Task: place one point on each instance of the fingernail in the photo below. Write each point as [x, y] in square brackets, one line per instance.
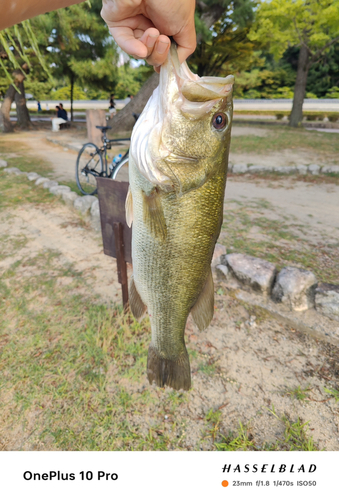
[151, 41]
[162, 47]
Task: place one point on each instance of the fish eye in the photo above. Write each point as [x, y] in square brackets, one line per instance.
[219, 120]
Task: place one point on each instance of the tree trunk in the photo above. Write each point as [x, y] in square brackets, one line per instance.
[23, 119]
[124, 120]
[5, 122]
[72, 92]
[300, 87]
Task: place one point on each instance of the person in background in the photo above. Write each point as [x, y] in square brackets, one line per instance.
[111, 109]
[47, 106]
[56, 122]
[39, 106]
[128, 98]
[63, 112]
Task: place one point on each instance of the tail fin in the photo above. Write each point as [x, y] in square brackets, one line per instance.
[174, 373]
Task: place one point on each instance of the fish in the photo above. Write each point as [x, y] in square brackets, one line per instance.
[177, 173]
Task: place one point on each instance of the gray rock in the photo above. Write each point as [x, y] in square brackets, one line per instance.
[58, 190]
[286, 170]
[84, 203]
[302, 169]
[3, 163]
[32, 176]
[95, 209]
[314, 169]
[12, 170]
[49, 184]
[257, 168]
[296, 288]
[258, 274]
[330, 169]
[327, 300]
[69, 197]
[239, 168]
[219, 250]
[222, 271]
[41, 180]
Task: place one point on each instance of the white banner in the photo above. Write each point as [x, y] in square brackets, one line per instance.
[167, 475]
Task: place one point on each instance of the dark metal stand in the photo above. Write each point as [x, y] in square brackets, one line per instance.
[121, 263]
[116, 234]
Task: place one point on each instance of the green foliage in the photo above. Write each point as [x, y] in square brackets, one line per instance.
[283, 23]
[79, 46]
[130, 80]
[64, 93]
[225, 48]
[333, 93]
[39, 89]
[19, 50]
[266, 81]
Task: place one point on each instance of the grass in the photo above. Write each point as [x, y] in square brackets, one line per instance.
[284, 138]
[18, 190]
[332, 392]
[294, 435]
[298, 393]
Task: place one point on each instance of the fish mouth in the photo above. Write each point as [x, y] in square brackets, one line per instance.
[193, 88]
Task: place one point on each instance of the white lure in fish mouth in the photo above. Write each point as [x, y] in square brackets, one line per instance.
[181, 97]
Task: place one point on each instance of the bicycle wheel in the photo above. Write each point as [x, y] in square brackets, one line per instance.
[89, 166]
[123, 176]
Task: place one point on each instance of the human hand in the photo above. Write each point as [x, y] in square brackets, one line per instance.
[142, 27]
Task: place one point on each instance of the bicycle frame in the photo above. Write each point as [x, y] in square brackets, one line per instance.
[107, 144]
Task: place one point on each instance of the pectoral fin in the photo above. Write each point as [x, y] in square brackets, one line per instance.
[154, 215]
[129, 207]
[137, 306]
[203, 310]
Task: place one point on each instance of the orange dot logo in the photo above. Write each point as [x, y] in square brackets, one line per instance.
[224, 483]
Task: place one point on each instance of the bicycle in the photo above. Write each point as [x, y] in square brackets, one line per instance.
[92, 163]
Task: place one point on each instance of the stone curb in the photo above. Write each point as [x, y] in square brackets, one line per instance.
[295, 289]
[313, 169]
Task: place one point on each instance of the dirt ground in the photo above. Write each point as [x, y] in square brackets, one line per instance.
[246, 367]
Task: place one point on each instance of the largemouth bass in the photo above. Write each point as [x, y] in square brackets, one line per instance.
[177, 171]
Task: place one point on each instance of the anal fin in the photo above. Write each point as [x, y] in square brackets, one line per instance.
[137, 306]
[154, 215]
[129, 207]
[203, 310]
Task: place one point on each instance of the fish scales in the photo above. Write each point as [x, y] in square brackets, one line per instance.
[177, 207]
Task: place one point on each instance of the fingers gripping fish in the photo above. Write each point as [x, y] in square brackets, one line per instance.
[177, 171]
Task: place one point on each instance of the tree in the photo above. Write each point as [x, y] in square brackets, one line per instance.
[78, 46]
[311, 25]
[227, 47]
